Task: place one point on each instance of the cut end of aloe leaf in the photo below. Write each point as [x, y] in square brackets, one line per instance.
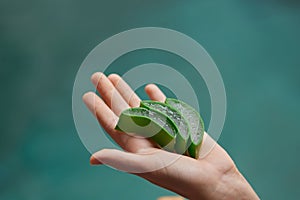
[174, 125]
[147, 123]
[177, 118]
[195, 123]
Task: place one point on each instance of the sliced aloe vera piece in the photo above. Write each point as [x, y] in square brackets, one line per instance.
[181, 123]
[150, 124]
[195, 123]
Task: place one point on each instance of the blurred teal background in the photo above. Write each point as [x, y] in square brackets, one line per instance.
[42, 44]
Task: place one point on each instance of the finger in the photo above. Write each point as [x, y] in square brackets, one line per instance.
[105, 116]
[125, 90]
[207, 145]
[109, 93]
[155, 93]
[108, 121]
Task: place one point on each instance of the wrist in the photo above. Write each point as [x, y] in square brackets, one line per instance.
[229, 185]
[233, 185]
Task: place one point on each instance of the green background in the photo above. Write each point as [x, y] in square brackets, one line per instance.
[42, 44]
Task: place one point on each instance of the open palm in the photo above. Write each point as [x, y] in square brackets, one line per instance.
[207, 178]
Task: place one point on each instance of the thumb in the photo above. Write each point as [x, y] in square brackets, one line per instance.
[148, 160]
[120, 160]
[170, 169]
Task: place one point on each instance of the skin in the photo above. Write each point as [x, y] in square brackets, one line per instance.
[213, 177]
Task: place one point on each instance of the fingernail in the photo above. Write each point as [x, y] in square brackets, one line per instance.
[95, 78]
[95, 161]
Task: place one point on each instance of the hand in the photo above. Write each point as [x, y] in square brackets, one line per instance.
[213, 177]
